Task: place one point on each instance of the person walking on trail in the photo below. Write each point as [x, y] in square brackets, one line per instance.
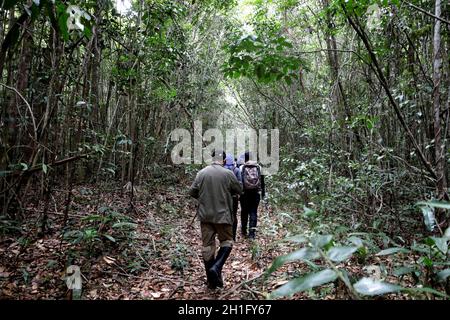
[214, 187]
[253, 190]
[231, 165]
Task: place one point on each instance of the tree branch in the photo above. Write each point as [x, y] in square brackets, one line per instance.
[39, 167]
[426, 12]
[380, 75]
[28, 106]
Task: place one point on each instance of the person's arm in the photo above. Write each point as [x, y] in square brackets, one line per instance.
[239, 176]
[263, 186]
[236, 186]
[194, 190]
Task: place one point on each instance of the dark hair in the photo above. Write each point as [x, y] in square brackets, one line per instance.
[224, 155]
[247, 156]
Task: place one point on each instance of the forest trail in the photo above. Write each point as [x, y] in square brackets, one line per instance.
[178, 272]
[161, 260]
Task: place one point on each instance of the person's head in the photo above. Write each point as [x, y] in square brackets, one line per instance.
[247, 156]
[240, 161]
[218, 156]
[229, 160]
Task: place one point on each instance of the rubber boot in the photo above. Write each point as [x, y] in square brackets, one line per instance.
[215, 272]
[209, 281]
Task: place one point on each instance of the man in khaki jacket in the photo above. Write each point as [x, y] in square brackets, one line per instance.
[214, 187]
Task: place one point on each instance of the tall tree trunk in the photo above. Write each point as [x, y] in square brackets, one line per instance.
[441, 183]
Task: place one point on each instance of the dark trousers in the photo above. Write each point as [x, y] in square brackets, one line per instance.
[235, 209]
[249, 209]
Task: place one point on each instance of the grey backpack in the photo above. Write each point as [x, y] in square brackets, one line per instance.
[251, 177]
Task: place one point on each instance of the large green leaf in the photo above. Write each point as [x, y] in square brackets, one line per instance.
[356, 241]
[428, 290]
[305, 283]
[390, 251]
[338, 254]
[447, 233]
[441, 244]
[110, 238]
[371, 287]
[307, 212]
[321, 240]
[302, 254]
[444, 274]
[297, 239]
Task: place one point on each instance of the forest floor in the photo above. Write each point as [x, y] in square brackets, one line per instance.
[150, 252]
[159, 259]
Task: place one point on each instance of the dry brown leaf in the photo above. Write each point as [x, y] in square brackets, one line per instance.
[280, 283]
[109, 260]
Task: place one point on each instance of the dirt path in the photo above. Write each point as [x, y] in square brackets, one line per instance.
[179, 272]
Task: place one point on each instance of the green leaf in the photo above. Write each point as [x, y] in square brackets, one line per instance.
[125, 225]
[87, 31]
[390, 251]
[339, 254]
[447, 233]
[420, 248]
[441, 244]
[305, 283]
[401, 271]
[309, 212]
[62, 20]
[429, 290]
[371, 287]
[321, 241]
[435, 204]
[288, 80]
[44, 168]
[427, 262]
[356, 241]
[110, 238]
[297, 239]
[443, 275]
[302, 254]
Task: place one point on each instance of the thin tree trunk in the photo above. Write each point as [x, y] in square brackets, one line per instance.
[441, 183]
